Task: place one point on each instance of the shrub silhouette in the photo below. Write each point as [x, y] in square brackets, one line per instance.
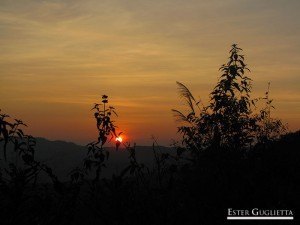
[19, 172]
[229, 120]
[270, 128]
[96, 153]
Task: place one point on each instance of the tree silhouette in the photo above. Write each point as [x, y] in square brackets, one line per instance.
[228, 121]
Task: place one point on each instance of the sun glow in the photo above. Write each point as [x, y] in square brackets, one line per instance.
[119, 139]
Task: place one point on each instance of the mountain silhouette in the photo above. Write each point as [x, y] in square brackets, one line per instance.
[63, 156]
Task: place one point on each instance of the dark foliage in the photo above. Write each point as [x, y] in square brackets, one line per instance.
[229, 121]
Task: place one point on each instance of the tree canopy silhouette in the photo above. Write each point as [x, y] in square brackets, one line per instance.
[230, 120]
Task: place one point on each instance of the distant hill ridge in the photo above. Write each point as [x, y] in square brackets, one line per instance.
[63, 156]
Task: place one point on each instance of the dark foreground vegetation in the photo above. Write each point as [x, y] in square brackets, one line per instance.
[233, 154]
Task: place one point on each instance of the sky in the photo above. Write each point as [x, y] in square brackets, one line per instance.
[58, 58]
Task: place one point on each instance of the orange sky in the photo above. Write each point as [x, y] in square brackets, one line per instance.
[58, 57]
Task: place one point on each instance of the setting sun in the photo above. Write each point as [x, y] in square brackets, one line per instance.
[119, 139]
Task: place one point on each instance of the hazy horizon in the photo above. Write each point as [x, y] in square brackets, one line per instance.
[59, 57]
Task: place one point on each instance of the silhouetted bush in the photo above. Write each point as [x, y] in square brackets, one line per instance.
[229, 121]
